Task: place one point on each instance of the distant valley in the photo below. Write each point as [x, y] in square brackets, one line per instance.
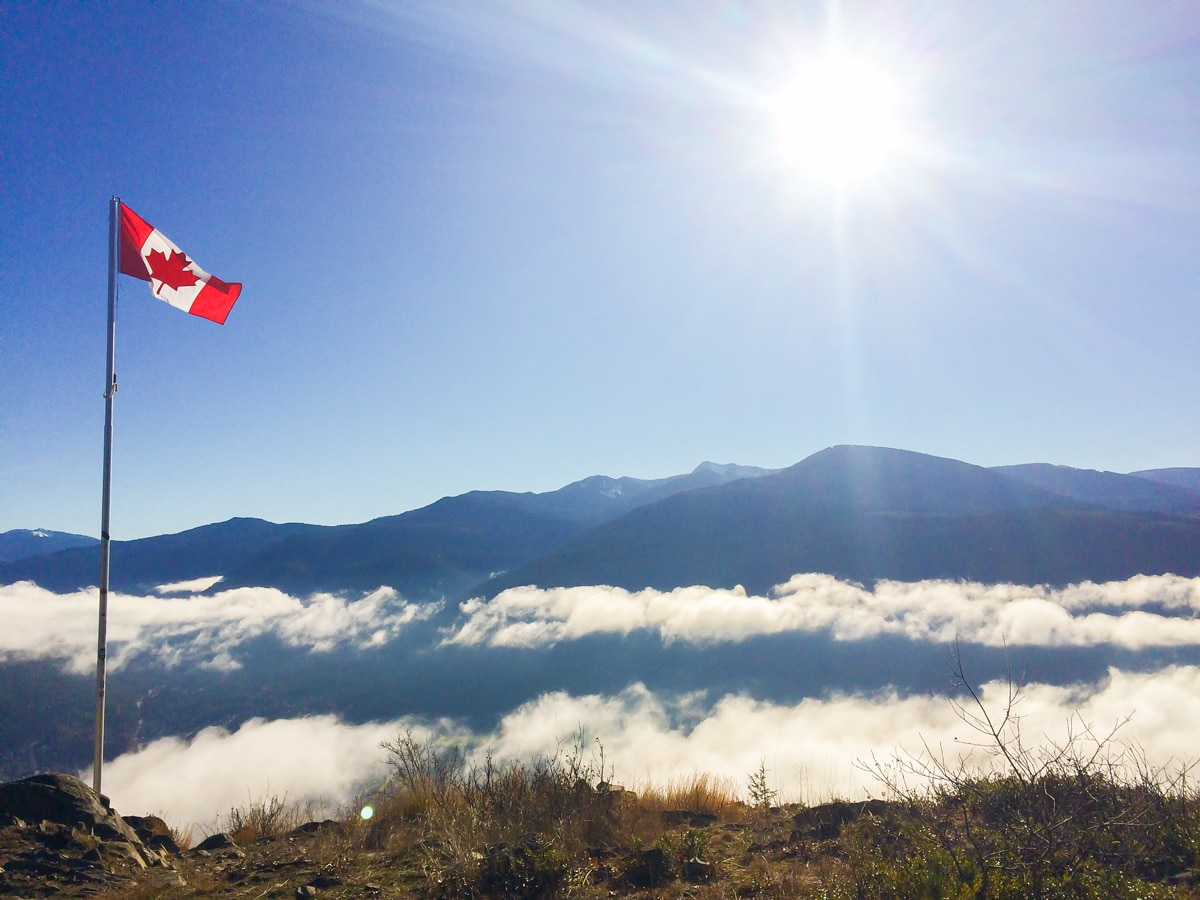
[845, 575]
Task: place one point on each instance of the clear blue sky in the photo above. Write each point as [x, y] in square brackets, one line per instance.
[506, 245]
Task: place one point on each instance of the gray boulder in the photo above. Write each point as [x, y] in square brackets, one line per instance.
[65, 800]
[57, 832]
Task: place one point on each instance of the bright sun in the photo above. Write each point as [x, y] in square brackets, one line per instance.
[838, 120]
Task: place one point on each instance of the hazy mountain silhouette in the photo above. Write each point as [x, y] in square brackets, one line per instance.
[1186, 478]
[600, 498]
[444, 548]
[860, 513]
[1133, 493]
[22, 543]
[863, 513]
[139, 565]
[440, 549]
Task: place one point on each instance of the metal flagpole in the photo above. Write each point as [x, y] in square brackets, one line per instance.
[110, 388]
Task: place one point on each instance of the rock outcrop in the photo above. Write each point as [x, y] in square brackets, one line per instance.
[55, 831]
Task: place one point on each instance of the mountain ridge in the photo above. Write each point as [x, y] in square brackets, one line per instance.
[861, 513]
[864, 514]
[22, 543]
[1133, 493]
[438, 549]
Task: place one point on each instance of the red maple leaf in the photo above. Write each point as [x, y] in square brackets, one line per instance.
[171, 269]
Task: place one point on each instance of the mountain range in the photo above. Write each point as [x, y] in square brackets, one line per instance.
[859, 513]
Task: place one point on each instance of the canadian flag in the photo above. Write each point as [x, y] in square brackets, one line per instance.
[146, 253]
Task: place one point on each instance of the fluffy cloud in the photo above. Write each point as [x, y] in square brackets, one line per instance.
[319, 761]
[195, 586]
[817, 749]
[1145, 611]
[36, 623]
[812, 750]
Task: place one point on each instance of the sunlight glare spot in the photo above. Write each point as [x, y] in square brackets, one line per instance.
[838, 121]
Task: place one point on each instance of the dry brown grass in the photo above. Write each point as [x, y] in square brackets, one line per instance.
[704, 793]
[184, 836]
[460, 847]
[265, 817]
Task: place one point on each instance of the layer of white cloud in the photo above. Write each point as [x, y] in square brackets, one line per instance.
[1145, 611]
[814, 748]
[317, 760]
[37, 623]
[194, 586]
[810, 749]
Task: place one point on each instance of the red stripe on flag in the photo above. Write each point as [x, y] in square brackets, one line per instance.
[215, 300]
[134, 231]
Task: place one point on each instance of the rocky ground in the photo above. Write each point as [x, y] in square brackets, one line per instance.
[58, 838]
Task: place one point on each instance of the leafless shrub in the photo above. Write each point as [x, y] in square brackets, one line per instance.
[498, 823]
[265, 817]
[1041, 820]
